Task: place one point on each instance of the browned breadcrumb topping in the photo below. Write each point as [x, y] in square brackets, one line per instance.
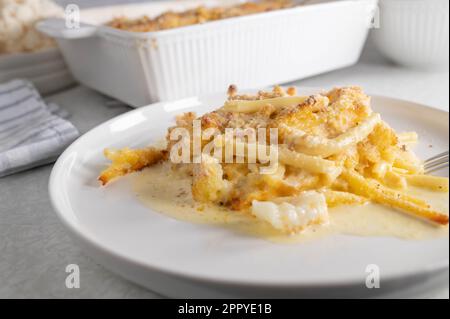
[327, 115]
[202, 14]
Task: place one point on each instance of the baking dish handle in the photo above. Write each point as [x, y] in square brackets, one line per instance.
[57, 28]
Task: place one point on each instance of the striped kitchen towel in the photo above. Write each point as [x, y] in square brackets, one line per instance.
[32, 133]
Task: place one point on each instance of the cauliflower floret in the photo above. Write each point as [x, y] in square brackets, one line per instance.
[208, 184]
[17, 20]
[294, 213]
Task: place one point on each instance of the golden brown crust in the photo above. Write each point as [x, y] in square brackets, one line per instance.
[170, 20]
[126, 161]
[312, 116]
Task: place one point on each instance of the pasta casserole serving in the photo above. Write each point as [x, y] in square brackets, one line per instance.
[285, 159]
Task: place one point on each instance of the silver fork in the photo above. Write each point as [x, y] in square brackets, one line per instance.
[436, 163]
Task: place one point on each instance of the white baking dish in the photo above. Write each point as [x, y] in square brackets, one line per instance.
[250, 51]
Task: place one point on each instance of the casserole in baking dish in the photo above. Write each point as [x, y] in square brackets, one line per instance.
[252, 50]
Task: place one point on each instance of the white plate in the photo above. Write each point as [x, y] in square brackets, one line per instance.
[180, 259]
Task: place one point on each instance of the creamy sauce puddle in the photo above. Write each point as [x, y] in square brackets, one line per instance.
[169, 193]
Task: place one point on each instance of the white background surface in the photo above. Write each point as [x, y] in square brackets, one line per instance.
[34, 247]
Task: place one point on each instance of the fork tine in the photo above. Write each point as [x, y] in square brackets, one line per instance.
[437, 167]
[436, 159]
[437, 162]
[443, 154]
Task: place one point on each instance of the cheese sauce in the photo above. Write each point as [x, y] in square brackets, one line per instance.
[169, 192]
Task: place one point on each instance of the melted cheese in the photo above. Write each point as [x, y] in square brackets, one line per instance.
[156, 189]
